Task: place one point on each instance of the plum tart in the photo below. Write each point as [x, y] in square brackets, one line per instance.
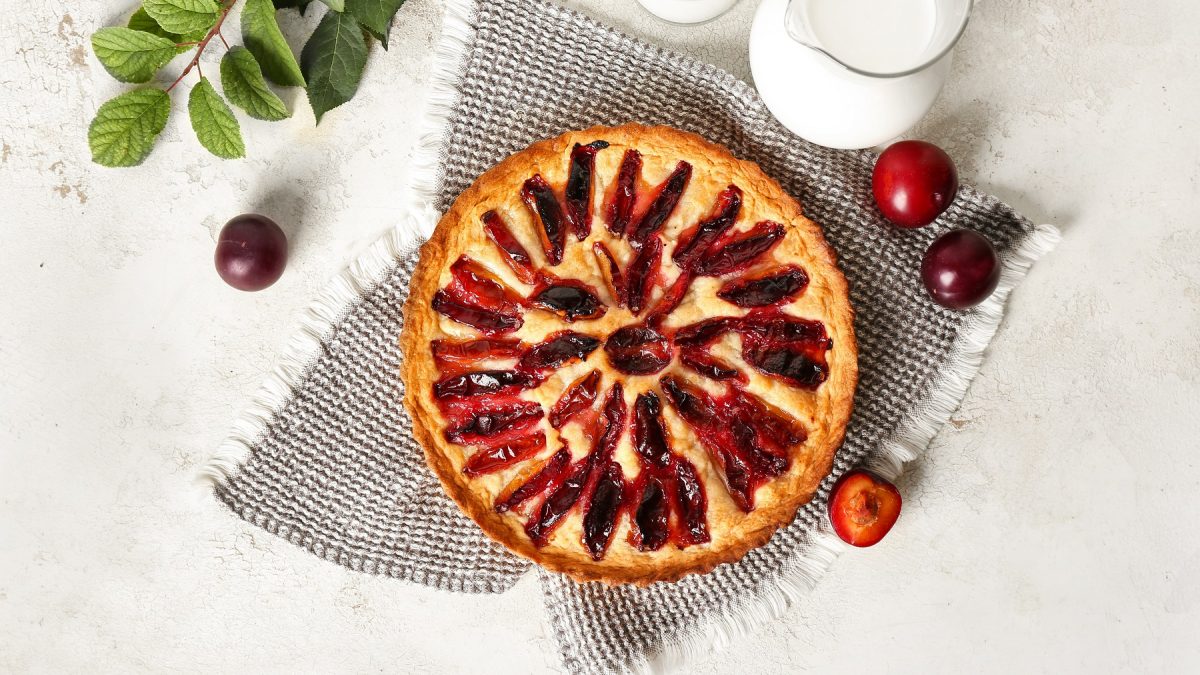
[628, 355]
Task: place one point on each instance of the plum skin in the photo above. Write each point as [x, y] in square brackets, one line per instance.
[913, 183]
[252, 252]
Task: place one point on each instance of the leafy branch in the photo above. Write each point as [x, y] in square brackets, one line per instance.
[330, 69]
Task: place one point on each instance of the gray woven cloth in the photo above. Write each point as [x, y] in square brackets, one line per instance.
[338, 472]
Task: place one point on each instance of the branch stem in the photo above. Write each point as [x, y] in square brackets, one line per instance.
[215, 31]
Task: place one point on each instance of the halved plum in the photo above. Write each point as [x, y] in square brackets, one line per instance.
[863, 508]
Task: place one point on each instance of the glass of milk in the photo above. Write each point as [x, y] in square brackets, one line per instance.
[687, 11]
[853, 73]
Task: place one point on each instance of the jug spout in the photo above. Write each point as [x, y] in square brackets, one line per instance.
[878, 38]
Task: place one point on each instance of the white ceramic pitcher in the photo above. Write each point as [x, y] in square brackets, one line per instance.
[853, 73]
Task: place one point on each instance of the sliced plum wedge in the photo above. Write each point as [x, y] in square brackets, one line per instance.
[534, 481]
[486, 321]
[642, 274]
[696, 241]
[455, 354]
[570, 299]
[604, 505]
[774, 287]
[497, 457]
[578, 193]
[610, 272]
[558, 502]
[579, 396]
[666, 197]
[479, 382]
[495, 422]
[651, 517]
[624, 195]
[558, 350]
[739, 251]
[511, 250]
[543, 205]
[691, 504]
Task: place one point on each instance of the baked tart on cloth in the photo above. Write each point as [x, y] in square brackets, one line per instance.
[627, 354]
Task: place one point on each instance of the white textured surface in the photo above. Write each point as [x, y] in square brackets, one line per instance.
[1051, 527]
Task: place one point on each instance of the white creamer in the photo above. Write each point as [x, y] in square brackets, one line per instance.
[873, 35]
[853, 73]
[687, 11]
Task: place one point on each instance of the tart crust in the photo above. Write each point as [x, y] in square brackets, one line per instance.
[824, 412]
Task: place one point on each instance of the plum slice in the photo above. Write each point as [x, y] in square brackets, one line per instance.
[624, 197]
[511, 250]
[649, 432]
[706, 364]
[696, 241]
[638, 350]
[558, 503]
[485, 321]
[580, 396]
[651, 518]
[480, 382]
[495, 422]
[557, 350]
[449, 354]
[691, 504]
[610, 271]
[543, 204]
[643, 274]
[603, 508]
[769, 289]
[665, 199]
[739, 251]
[572, 300]
[497, 457]
[578, 193]
[525, 488]
[475, 285]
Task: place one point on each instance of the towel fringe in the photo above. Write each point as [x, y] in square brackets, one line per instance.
[418, 218]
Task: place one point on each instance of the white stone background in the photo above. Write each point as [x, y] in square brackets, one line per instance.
[1052, 526]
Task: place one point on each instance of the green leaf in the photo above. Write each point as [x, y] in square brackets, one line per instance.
[183, 16]
[131, 55]
[333, 62]
[374, 15]
[335, 5]
[140, 20]
[214, 123]
[125, 127]
[243, 83]
[299, 5]
[261, 34]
